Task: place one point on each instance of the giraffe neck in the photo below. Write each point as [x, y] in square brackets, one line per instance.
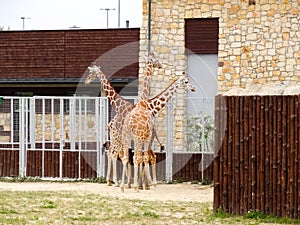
[146, 82]
[158, 102]
[118, 103]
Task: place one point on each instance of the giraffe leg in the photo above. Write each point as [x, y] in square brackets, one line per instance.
[129, 175]
[141, 176]
[123, 177]
[115, 180]
[109, 161]
[152, 158]
[137, 161]
[154, 182]
[147, 179]
[124, 162]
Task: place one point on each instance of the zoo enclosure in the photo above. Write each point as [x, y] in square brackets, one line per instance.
[63, 137]
[257, 155]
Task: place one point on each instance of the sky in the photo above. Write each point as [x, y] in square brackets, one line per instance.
[63, 14]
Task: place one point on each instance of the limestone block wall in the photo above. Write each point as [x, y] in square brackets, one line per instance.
[5, 126]
[258, 44]
[84, 127]
[51, 130]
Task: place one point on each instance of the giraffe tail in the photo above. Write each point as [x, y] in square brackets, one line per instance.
[162, 147]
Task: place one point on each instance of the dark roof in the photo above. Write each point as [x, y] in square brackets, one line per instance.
[66, 54]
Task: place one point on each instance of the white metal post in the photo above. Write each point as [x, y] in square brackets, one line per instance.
[202, 149]
[104, 131]
[26, 114]
[98, 103]
[32, 123]
[21, 137]
[169, 142]
[79, 133]
[43, 136]
[62, 138]
[12, 111]
[72, 104]
[53, 122]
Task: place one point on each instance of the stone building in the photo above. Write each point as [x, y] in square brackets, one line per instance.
[257, 43]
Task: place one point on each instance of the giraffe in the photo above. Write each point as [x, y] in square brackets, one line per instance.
[138, 126]
[124, 106]
[121, 107]
[152, 62]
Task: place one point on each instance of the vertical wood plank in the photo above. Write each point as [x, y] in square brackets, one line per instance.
[297, 135]
[236, 155]
[291, 153]
[253, 157]
[261, 149]
[224, 156]
[231, 156]
[242, 171]
[284, 156]
[246, 155]
[279, 156]
[2, 164]
[267, 174]
[217, 163]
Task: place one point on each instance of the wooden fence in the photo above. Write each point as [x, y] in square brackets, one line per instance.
[257, 154]
[186, 166]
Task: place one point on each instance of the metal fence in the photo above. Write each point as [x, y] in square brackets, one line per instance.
[62, 137]
[49, 131]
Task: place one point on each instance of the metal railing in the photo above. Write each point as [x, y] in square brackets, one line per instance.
[36, 126]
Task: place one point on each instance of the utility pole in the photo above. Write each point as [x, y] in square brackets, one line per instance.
[23, 18]
[107, 10]
[119, 12]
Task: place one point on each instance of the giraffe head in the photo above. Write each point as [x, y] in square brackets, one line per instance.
[153, 60]
[185, 82]
[94, 71]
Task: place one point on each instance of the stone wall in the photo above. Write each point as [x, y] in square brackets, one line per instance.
[85, 127]
[258, 44]
[5, 121]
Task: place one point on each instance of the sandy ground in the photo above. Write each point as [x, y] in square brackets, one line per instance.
[164, 192]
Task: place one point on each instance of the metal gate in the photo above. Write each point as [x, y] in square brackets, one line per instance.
[63, 137]
[55, 135]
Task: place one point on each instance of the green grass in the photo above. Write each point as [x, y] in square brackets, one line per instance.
[66, 207]
[37, 179]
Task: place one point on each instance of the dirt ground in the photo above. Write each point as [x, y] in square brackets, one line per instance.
[163, 192]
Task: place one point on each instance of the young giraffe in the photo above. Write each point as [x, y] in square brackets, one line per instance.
[115, 125]
[138, 125]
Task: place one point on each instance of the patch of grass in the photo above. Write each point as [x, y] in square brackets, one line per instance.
[84, 219]
[221, 214]
[151, 214]
[48, 204]
[38, 179]
[7, 211]
[100, 180]
[71, 207]
[20, 179]
[255, 215]
[206, 182]
[194, 182]
[180, 180]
